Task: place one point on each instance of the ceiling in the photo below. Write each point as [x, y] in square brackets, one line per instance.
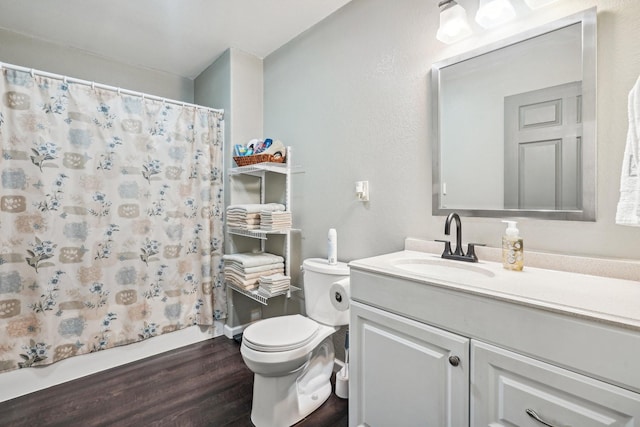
[181, 37]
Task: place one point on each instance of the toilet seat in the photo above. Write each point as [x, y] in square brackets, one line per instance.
[282, 333]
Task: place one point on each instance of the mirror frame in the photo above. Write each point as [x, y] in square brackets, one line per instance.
[587, 19]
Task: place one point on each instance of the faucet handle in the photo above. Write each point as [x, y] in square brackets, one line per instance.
[471, 250]
[447, 247]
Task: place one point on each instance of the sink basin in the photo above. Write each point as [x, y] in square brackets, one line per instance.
[451, 271]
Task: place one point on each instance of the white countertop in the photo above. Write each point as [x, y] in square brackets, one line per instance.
[610, 300]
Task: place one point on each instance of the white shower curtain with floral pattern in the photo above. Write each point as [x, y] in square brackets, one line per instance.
[111, 215]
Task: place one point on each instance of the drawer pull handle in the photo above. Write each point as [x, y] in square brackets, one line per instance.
[454, 360]
[536, 417]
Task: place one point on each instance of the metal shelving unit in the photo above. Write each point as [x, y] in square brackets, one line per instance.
[260, 170]
[256, 234]
[260, 297]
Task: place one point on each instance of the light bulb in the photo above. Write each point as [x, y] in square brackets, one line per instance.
[492, 13]
[454, 25]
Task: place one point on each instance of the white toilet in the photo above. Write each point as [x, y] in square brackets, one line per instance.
[293, 356]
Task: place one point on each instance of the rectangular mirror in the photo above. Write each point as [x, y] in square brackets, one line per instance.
[515, 125]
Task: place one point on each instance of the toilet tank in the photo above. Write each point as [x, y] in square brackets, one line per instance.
[318, 277]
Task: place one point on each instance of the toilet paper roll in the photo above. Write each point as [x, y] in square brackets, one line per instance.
[339, 294]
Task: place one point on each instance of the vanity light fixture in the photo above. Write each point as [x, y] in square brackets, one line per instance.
[454, 25]
[492, 13]
[535, 4]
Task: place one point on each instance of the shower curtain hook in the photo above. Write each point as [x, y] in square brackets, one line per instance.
[33, 73]
[118, 91]
[64, 79]
[93, 85]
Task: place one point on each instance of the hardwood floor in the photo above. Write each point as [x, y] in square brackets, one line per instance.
[204, 384]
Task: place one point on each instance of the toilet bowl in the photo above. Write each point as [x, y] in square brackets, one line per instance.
[292, 356]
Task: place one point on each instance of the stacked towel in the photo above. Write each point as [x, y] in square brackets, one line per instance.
[628, 212]
[245, 269]
[244, 222]
[247, 216]
[273, 284]
[275, 220]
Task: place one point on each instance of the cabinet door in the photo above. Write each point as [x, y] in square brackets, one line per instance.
[508, 389]
[405, 373]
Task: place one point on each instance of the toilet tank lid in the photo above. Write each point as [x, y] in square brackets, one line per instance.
[321, 265]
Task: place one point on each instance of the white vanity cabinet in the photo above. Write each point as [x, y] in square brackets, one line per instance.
[407, 373]
[523, 361]
[509, 389]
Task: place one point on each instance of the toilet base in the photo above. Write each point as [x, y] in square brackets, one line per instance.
[280, 401]
[290, 408]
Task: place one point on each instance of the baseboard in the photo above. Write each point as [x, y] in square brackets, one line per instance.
[232, 331]
[24, 381]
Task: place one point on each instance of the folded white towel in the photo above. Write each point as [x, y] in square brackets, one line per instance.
[250, 259]
[273, 284]
[233, 223]
[274, 278]
[243, 217]
[244, 284]
[276, 220]
[255, 208]
[244, 226]
[274, 213]
[258, 269]
[246, 276]
[628, 212]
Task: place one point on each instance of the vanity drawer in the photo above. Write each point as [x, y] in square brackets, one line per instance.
[505, 386]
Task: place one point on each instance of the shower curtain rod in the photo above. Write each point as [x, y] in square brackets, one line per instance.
[119, 90]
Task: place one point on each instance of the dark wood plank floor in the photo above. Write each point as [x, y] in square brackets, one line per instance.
[204, 384]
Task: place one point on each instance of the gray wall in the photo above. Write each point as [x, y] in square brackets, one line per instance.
[234, 82]
[213, 89]
[351, 96]
[42, 55]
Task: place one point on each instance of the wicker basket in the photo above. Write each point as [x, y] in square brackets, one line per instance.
[258, 158]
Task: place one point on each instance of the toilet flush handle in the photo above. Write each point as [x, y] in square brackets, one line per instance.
[338, 297]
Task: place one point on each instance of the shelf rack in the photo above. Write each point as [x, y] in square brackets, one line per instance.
[261, 298]
[257, 234]
[259, 170]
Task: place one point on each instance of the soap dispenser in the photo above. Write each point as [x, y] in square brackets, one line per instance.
[512, 248]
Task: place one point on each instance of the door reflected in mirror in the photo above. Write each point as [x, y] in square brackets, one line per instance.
[515, 126]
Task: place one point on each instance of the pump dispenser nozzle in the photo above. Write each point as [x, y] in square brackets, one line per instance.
[511, 230]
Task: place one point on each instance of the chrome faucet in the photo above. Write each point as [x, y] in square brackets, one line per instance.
[458, 254]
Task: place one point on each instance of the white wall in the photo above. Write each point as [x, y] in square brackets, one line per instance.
[352, 96]
[42, 55]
